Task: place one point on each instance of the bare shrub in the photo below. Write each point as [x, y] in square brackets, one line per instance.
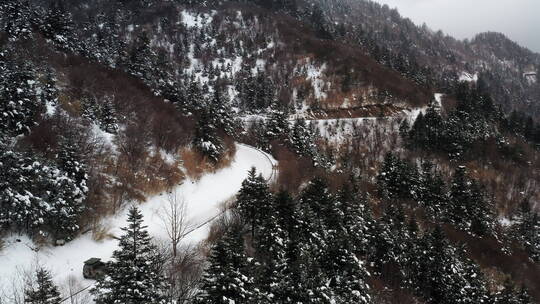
[195, 164]
[101, 232]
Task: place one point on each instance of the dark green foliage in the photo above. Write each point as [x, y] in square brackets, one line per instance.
[43, 291]
[253, 200]
[474, 120]
[207, 140]
[17, 19]
[301, 138]
[469, 208]
[318, 20]
[256, 91]
[227, 279]
[278, 123]
[221, 115]
[441, 273]
[279, 5]
[133, 276]
[523, 125]
[19, 102]
[141, 57]
[90, 110]
[57, 24]
[215, 121]
[38, 197]
[432, 193]
[107, 116]
[526, 230]
[397, 178]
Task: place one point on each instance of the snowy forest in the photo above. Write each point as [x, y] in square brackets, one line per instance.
[263, 151]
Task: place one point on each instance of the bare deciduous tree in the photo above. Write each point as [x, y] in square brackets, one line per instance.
[173, 215]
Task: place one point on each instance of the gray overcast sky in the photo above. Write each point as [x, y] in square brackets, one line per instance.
[518, 19]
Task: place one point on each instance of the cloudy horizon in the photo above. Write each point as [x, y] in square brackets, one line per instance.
[517, 19]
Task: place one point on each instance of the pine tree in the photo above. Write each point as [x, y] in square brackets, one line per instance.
[271, 242]
[194, 95]
[301, 139]
[70, 162]
[133, 275]
[227, 279]
[221, 113]
[19, 104]
[315, 213]
[57, 24]
[432, 191]
[357, 219]
[49, 91]
[469, 208]
[316, 207]
[141, 58]
[526, 230]
[44, 291]
[438, 280]
[107, 118]
[90, 110]
[404, 128]
[17, 19]
[278, 123]
[253, 200]
[397, 178]
[473, 286]
[38, 197]
[207, 140]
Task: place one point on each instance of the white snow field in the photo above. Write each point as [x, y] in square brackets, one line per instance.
[204, 199]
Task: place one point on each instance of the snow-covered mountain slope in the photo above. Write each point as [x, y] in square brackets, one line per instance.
[204, 200]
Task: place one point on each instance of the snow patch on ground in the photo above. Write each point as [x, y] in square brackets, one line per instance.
[438, 100]
[468, 77]
[192, 19]
[204, 199]
[412, 114]
[50, 108]
[106, 138]
[506, 222]
[315, 74]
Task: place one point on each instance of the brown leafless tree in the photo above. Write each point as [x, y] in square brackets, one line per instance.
[173, 215]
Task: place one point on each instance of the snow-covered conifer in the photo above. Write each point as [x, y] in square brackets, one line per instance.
[133, 276]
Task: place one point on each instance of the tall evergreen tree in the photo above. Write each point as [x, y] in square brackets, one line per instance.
[469, 208]
[253, 200]
[18, 99]
[207, 140]
[526, 230]
[221, 113]
[57, 24]
[278, 123]
[108, 119]
[397, 178]
[16, 18]
[90, 110]
[432, 191]
[141, 58]
[43, 291]
[227, 279]
[133, 276]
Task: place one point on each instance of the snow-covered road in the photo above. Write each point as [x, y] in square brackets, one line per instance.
[204, 198]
